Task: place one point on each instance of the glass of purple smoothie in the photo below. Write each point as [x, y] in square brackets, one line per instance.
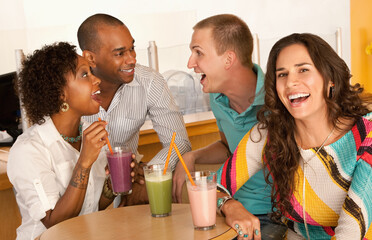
[119, 167]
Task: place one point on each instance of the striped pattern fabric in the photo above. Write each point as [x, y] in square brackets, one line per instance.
[146, 96]
[235, 172]
[338, 183]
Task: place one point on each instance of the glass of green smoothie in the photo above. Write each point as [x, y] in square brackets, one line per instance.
[159, 190]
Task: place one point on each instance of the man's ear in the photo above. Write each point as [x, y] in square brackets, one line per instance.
[230, 58]
[90, 57]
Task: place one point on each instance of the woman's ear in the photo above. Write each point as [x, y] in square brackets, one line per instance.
[331, 90]
[90, 57]
[64, 95]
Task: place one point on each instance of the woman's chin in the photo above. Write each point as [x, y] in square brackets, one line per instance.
[92, 112]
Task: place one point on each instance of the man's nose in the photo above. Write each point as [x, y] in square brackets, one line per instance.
[191, 63]
[131, 58]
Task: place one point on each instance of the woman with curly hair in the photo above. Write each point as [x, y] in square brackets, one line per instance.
[314, 140]
[56, 166]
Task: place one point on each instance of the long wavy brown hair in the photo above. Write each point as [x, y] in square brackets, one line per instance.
[281, 151]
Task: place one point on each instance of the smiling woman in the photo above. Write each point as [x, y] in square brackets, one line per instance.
[82, 87]
[56, 166]
[322, 132]
[299, 84]
[314, 131]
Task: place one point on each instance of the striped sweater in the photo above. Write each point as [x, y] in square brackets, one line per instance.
[338, 183]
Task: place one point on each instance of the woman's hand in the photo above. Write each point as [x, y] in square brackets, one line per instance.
[94, 139]
[243, 222]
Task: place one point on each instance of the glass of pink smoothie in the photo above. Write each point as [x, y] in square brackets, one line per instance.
[119, 167]
[203, 199]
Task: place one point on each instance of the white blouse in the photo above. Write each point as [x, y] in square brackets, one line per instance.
[40, 166]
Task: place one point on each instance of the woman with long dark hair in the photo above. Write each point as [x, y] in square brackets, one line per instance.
[314, 140]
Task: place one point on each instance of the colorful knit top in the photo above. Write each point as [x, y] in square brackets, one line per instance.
[338, 182]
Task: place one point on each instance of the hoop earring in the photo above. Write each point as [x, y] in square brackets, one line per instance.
[65, 107]
[331, 91]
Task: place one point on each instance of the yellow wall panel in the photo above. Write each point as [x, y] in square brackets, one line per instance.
[361, 36]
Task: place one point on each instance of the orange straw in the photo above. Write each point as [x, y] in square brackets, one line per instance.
[108, 142]
[183, 164]
[169, 153]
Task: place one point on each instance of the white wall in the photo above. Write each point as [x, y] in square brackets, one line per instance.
[29, 24]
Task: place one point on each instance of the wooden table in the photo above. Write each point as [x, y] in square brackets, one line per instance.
[201, 128]
[4, 182]
[135, 222]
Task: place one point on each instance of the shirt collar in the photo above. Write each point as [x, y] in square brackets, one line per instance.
[48, 132]
[260, 91]
[133, 83]
[116, 99]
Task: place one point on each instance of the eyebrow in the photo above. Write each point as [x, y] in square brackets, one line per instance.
[121, 48]
[296, 65]
[195, 46]
[77, 70]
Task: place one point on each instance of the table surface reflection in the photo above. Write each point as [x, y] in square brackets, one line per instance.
[135, 222]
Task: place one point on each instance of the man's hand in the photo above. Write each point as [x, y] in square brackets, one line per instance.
[137, 173]
[137, 197]
[179, 176]
[139, 194]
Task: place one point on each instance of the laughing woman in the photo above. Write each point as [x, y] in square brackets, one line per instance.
[314, 139]
[55, 166]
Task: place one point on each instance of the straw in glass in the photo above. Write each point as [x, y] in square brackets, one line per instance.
[108, 142]
[183, 164]
[169, 153]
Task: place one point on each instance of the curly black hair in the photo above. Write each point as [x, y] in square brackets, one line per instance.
[43, 78]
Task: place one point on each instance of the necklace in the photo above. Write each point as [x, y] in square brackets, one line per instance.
[303, 185]
[74, 139]
[321, 146]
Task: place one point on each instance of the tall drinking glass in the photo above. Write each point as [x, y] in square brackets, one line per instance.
[119, 166]
[203, 199]
[159, 190]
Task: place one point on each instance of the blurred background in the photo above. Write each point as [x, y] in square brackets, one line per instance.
[28, 25]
